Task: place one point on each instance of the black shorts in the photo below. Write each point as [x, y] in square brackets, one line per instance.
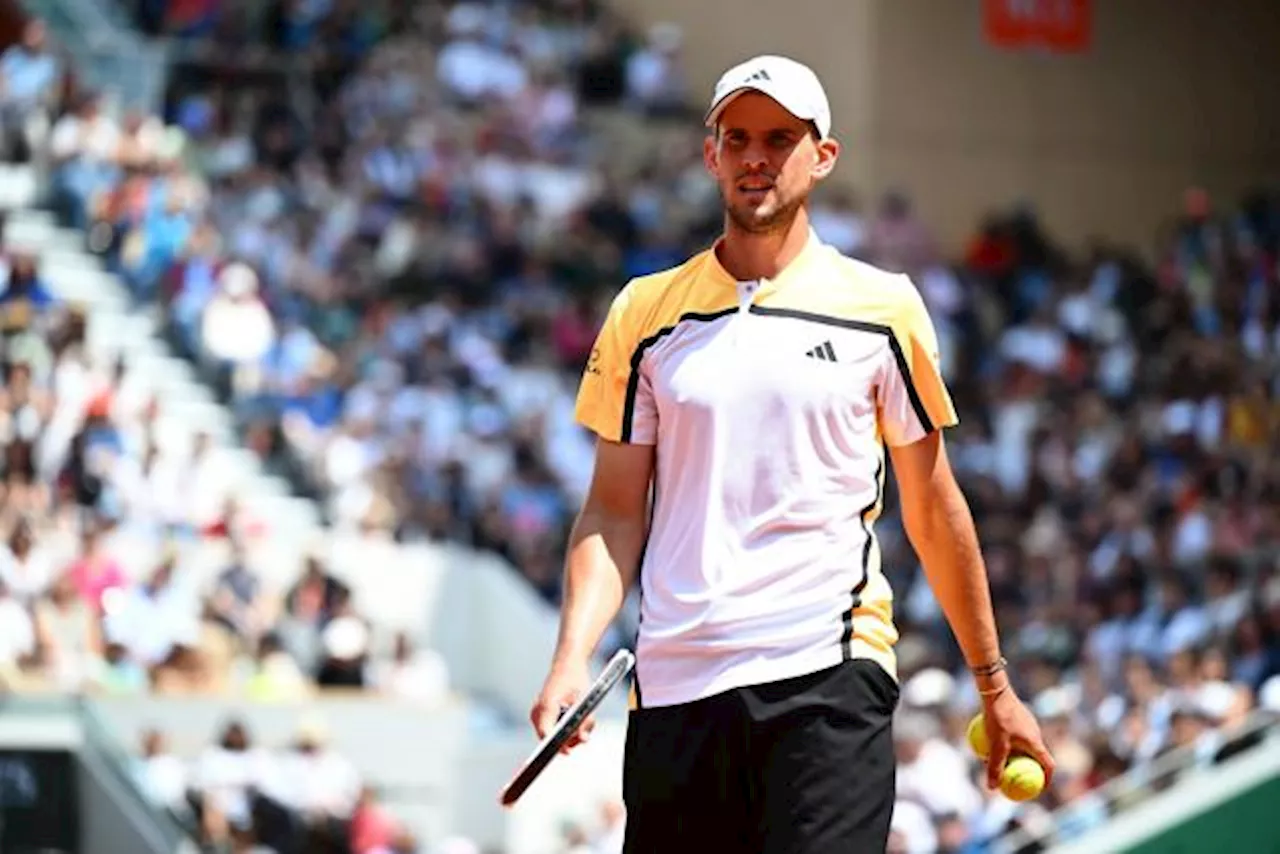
[800, 766]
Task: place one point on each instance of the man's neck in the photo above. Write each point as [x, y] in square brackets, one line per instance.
[748, 256]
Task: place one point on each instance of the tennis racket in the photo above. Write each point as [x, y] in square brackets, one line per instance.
[618, 667]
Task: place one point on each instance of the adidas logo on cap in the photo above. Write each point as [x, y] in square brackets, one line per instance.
[792, 84]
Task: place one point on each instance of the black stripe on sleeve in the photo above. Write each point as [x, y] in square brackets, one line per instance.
[917, 405]
[633, 381]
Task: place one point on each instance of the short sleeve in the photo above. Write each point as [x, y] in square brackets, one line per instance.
[615, 400]
[913, 397]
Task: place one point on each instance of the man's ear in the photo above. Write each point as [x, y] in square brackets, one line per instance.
[828, 154]
[710, 152]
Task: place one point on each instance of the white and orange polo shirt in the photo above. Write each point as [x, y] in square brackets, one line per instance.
[770, 403]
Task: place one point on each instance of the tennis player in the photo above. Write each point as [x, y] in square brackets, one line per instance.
[756, 388]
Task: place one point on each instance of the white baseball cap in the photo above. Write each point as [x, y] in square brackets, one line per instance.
[792, 84]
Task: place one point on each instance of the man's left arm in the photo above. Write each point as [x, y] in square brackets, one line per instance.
[914, 408]
[940, 527]
[941, 530]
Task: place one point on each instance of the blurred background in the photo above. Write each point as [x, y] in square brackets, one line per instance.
[295, 297]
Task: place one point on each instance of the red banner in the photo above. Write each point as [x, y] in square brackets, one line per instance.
[1058, 25]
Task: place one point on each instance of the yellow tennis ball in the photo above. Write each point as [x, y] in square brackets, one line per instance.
[978, 736]
[1022, 779]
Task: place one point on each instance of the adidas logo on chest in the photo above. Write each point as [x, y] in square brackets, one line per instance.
[824, 352]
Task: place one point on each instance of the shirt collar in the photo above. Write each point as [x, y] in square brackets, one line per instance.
[812, 248]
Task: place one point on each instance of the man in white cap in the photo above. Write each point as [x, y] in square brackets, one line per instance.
[743, 402]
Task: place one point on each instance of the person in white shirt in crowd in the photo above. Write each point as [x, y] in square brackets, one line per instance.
[226, 776]
[17, 635]
[154, 619]
[163, 776]
[142, 140]
[931, 771]
[317, 783]
[475, 65]
[84, 147]
[345, 641]
[25, 568]
[417, 675]
[236, 329]
[206, 483]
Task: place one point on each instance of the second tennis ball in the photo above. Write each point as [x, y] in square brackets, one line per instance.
[978, 737]
[1022, 780]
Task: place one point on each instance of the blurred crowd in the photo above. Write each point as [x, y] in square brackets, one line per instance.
[394, 284]
[92, 478]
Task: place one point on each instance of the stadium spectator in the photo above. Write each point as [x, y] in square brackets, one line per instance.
[319, 786]
[225, 780]
[25, 570]
[17, 633]
[655, 73]
[236, 330]
[419, 675]
[69, 635]
[95, 572]
[373, 828]
[83, 149]
[163, 776]
[30, 92]
[155, 619]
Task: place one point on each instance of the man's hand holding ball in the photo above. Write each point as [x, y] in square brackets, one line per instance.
[1005, 734]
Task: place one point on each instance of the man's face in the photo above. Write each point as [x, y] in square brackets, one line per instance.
[765, 161]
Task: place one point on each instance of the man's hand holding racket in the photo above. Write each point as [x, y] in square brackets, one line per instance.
[565, 685]
[563, 715]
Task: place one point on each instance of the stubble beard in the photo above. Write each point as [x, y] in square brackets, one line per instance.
[752, 221]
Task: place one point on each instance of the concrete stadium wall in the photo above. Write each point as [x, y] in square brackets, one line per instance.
[1168, 93]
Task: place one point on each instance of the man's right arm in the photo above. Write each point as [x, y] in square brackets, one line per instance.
[603, 560]
[604, 546]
